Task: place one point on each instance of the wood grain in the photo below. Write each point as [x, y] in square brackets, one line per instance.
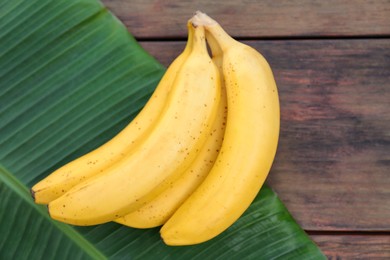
[250, 18]
[354, 246]
[332, 165]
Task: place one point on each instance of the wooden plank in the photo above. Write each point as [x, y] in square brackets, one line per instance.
[354, 246]
[332, 164]
[250, 18]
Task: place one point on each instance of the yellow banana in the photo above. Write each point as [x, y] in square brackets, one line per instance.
[248, 149]
[173, 143]
[158, 210]
[91, 164]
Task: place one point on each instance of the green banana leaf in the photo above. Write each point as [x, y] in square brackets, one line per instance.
[71, 77]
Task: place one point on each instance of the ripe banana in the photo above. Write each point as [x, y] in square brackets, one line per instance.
[247, 151]
[164, 153]
[93, 163]
[158, 210]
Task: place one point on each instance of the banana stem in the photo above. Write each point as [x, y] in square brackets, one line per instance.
[219, 36]
[214, 46]
[199, 42]
[190, 36]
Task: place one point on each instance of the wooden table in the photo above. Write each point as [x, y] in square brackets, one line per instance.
[331, 61]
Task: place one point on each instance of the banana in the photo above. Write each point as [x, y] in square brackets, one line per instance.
[91, 164]
[248, 149]
[169, 148]
[158, 210]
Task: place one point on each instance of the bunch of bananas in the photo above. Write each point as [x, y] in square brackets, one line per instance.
[193, 159]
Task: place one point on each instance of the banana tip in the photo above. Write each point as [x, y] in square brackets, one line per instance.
[170, 238]
[48, 210]
[32, 193]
